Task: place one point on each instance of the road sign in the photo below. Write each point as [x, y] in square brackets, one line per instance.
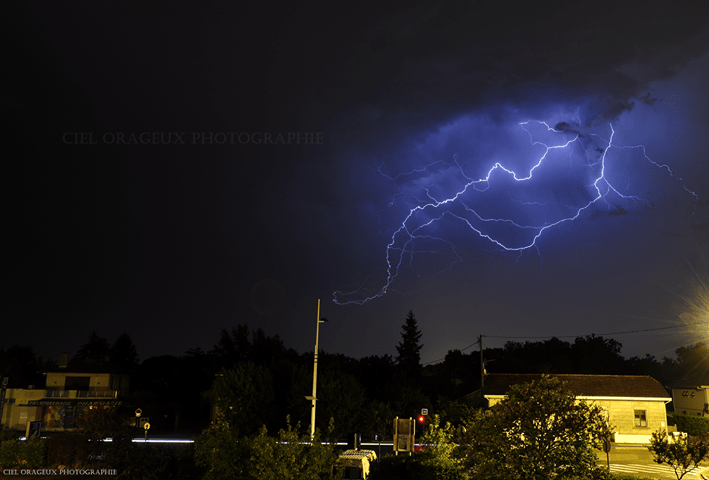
[607, 445]
[607, 449]
[404, 432]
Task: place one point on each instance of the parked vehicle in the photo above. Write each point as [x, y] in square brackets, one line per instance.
[355, 464]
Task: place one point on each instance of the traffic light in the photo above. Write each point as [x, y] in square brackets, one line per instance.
[422, 419]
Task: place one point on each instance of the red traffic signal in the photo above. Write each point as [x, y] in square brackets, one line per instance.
[422, 419]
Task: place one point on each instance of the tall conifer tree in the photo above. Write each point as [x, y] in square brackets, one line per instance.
[409, 350]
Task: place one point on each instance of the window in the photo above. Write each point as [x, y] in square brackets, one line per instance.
[77, 383]
[640, 418]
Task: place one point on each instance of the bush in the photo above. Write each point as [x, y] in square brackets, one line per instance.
[684, 454]
[220, 453]
[290, 456]
[135, 461]
[420, 466]
[131, 460]
[69, 449]
[224, 455]
[691, 424]
[9, 435]
[442, 453]
[25, 454]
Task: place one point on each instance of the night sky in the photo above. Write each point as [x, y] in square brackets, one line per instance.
[173, 170]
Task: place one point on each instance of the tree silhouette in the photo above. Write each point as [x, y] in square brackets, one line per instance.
[233, 347]
[123, 356]
[597, 355]
[21, 366]
[409, 349]
[93, 354]
[244, 394]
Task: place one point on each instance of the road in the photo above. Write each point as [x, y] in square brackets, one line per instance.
[638, 460]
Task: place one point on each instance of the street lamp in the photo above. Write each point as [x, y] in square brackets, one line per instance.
[314, 399]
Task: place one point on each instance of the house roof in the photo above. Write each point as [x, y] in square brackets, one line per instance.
[637, 386]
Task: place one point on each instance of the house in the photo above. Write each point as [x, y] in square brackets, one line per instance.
[64, 398]
[635, 403]
[691, 399]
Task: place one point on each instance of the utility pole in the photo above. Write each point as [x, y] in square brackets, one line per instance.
[482, 371]
[313, 399]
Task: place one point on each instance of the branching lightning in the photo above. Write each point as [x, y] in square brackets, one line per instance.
[472, 205]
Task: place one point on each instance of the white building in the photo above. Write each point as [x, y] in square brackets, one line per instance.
[636, 404]
[64, 398]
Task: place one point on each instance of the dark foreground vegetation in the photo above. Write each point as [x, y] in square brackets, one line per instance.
[538, 432]
[243, 402]
[364, 395]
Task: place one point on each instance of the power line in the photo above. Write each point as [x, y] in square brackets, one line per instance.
[441, 359]
[574, 336]
[600, 334]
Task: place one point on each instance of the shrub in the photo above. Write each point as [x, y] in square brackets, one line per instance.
[135, 461]
[290, 456]
[220, 453]
[691, 424]
[684, 454]
[9, 435]
[70, 449]
[223, 455]
[419, 466]
[25, 454]
[442, 452]
[9, 453]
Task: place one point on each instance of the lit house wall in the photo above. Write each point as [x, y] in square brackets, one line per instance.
[691, 400]
[66, 396]
[16, 416]
[635, 404]
[88, 381]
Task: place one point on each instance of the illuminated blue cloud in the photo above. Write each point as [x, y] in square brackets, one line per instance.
[508, 186]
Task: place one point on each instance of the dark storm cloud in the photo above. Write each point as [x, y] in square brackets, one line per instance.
[437, 62]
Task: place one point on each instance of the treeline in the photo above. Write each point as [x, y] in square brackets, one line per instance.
[597, 355]
[255, 380]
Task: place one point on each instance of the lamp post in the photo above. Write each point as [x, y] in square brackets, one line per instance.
[314, 399]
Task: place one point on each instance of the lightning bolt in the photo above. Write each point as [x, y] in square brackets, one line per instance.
[503, 233]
